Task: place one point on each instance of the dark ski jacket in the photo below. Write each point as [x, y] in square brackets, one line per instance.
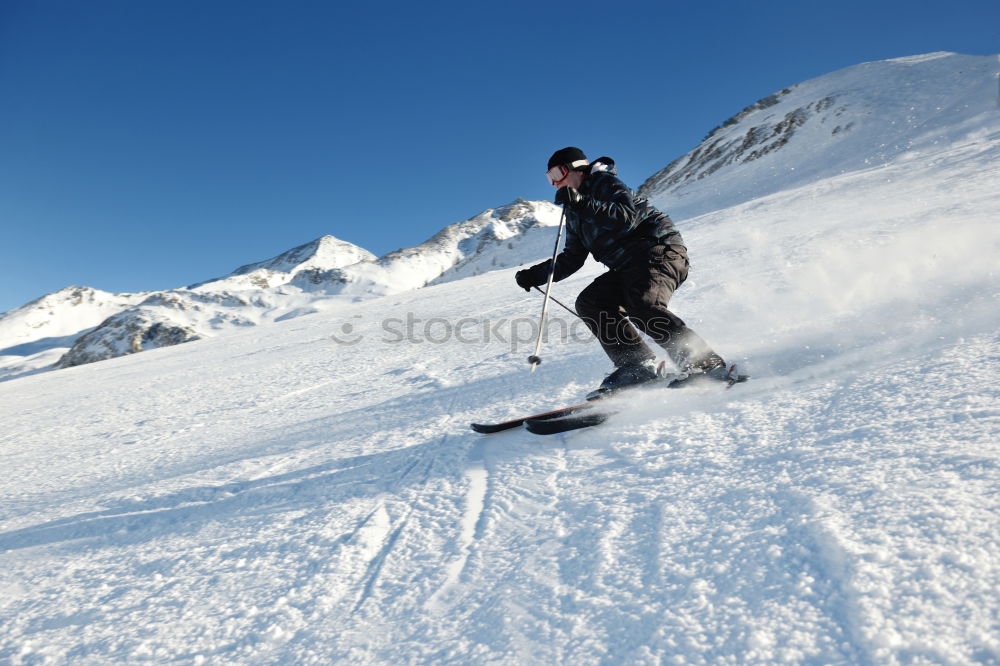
[610, 222]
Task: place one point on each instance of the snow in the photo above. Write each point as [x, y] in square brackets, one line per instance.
[308, 491]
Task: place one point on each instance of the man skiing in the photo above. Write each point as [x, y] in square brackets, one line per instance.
[647, 259]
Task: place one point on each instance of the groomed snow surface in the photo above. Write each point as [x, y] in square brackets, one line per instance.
[309, 492]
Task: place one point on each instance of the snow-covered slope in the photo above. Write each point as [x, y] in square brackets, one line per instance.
[309, 491]
[851, 119]
[292, 284]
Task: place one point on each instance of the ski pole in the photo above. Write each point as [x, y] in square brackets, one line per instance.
[562, 305]
[534, 359]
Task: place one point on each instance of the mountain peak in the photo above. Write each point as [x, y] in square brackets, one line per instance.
[325, 252]
[71, 296]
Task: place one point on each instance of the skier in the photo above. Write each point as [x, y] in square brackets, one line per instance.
[648, 261]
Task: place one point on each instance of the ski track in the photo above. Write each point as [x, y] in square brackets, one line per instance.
[616, 542]
[470, 527]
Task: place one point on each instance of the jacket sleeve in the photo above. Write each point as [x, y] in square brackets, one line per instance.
[569, 261]
[610, 204]
[572, 257]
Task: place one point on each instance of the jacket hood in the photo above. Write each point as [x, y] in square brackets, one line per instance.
[603, 164]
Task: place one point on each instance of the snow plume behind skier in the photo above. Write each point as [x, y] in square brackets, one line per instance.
[647, 259]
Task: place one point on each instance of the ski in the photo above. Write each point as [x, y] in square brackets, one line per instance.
[595, 411]
[574, 421]
[559, 423]
[489, 428]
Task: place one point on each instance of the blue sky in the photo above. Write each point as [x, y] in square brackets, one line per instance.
[149, 144]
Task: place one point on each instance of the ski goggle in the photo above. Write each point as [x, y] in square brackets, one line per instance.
[558, 172]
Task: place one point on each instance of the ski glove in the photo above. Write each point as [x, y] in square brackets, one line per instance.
[532, 277]
[568, 196]
[523, 279]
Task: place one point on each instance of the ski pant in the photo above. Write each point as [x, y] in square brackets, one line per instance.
[636, 296]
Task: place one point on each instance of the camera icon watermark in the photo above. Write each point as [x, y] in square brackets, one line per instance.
[348, 336]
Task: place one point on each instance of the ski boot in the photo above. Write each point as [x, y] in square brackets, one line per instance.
[717, 372]
[624, 377]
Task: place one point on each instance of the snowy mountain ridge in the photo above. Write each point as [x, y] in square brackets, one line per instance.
[855, 118]
[42, 314]
[37, 334]
[292, 284]
[470, 248]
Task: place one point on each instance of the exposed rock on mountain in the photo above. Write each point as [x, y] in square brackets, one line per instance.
[127, 332]
[164, 319]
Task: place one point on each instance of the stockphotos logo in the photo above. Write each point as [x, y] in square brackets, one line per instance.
[517, 333]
